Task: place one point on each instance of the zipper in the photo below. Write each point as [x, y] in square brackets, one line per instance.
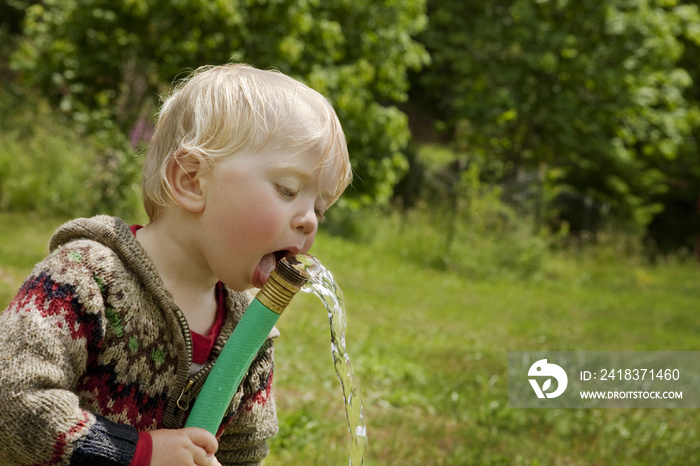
[193, 386]
[194, 383]
[181, 403]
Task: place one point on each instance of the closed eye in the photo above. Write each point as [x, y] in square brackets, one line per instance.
[286, 192]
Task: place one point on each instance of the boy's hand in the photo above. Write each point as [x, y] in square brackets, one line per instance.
[184, 447]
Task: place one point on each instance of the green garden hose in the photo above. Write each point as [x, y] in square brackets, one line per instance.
[251, 332]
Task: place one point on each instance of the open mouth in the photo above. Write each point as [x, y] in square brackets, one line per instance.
[279, 255]
[267, 264]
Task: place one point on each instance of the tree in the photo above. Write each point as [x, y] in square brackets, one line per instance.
[102, 62]
[591, 90]
[678, 225]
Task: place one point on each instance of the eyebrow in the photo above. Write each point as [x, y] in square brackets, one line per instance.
[293, 168]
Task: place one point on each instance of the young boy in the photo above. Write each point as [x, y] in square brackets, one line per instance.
[108, 342]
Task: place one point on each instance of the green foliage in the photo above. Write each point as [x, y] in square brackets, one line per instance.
[48, 167]
[467, 225]
[480, 237]
[102, 61]
[592, 89]
[678, 226]
[488, 244]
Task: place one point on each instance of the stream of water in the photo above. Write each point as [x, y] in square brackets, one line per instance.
[324, 286]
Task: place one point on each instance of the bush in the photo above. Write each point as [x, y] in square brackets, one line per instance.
[489, 241]
[456, 221]
[508, 250]
[47, 166]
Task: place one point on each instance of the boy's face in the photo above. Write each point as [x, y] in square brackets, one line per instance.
[260, 208]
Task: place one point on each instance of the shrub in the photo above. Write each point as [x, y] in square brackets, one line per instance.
[47, 166]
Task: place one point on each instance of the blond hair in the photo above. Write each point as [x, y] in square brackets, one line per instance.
[221, 111]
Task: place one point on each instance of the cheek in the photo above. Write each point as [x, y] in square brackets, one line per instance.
[243, 210]
[259, 224]
[263, 225]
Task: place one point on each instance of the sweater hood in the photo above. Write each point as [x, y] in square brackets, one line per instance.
[115, 234]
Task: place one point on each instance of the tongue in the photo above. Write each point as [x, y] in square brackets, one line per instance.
[267, 264]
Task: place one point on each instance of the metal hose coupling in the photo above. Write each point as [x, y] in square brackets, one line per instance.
[285, 281]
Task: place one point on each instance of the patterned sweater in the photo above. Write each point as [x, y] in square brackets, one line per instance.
[93, 350]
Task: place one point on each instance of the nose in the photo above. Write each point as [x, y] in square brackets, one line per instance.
[306, 222]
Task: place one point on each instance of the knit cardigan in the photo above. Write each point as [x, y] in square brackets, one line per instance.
[93, 350]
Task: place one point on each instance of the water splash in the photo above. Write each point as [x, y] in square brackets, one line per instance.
[324, 286]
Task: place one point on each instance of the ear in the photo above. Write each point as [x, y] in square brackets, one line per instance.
[184, 173]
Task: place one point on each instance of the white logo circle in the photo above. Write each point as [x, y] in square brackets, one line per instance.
[542, 368]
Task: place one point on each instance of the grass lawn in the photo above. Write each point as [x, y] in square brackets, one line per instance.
[430, 350]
